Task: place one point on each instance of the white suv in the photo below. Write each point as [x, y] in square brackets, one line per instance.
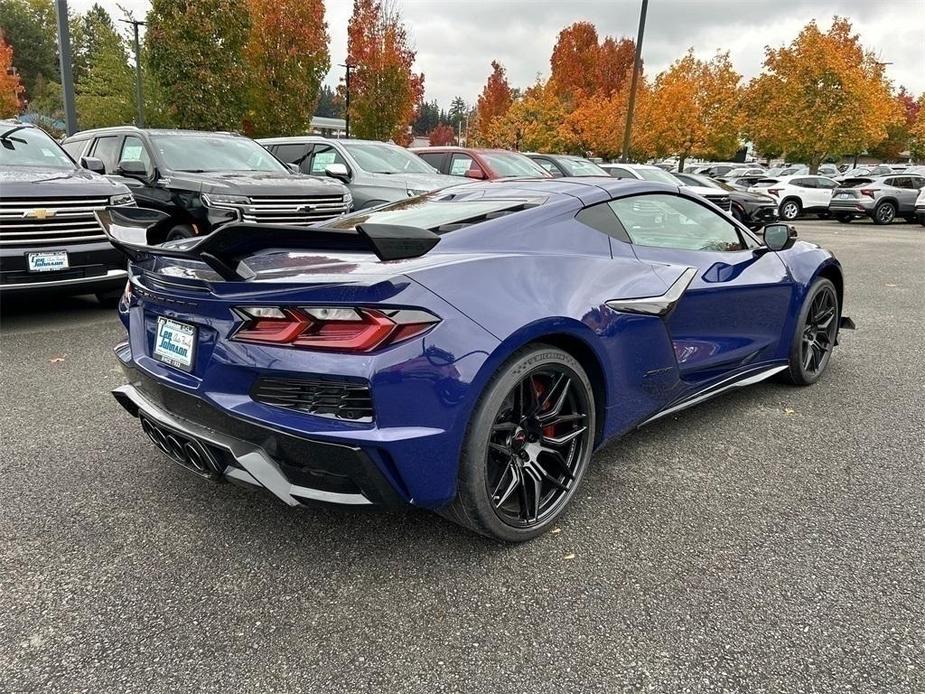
[798, 194]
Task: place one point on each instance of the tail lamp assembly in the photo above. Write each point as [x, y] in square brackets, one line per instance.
[869, 193]
[331, 328]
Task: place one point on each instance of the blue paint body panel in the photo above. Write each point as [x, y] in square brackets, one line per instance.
[536, 275]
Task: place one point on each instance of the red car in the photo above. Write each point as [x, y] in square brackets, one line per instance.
[480, 163]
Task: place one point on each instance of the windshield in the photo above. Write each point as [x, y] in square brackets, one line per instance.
[506, 164]
[582, 167]
[380, 158]
[706, 182]
[432, 212]
[31, 147]
[201, 153]
[653, 173]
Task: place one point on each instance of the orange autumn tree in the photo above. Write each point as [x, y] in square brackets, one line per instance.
[532, 122]
[10, 87]
[822, 96]
[287, 54]
[898, 132]
[597, 125]
[494, 101]
[917, 131]
[384, 89]
[694, 109]
[583, 67]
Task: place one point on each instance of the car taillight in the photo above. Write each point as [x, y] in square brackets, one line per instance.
[868, 192]
[335, 328]
[774, 191]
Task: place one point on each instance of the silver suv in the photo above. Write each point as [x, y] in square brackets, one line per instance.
[375, 172]
[882, 198]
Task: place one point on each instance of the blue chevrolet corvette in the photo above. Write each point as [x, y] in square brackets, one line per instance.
[465, 350]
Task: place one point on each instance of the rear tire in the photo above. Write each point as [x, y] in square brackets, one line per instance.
[527, 446]
[844, 218]
[885, 213]
[815, 334]
[790, 210]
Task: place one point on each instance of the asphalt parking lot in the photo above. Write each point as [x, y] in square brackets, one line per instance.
[771, 541]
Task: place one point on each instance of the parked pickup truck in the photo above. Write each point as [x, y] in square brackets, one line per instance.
[50, 238]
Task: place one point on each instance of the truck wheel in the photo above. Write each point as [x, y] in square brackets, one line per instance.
[181, 231]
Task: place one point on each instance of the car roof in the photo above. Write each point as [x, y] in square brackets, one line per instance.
[298, 139]
[150, 131]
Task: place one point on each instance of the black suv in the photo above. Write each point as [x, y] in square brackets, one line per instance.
[50, 238]
[204, 180]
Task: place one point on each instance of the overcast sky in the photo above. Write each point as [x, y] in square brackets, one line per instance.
[456, 40]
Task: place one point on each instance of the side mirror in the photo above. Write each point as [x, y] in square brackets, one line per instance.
[294, 168]
[477, 174]
[779, 237]
[338, 171]
[93, 164]
[132, 168]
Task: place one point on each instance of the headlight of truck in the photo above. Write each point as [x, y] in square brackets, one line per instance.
[122, 199]
[224, 200]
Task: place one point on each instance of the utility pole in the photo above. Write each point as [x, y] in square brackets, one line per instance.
[64, 58]
[348, 67]
[139, 97]
[637, 68]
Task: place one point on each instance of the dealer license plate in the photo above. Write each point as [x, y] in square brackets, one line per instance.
[175, 343]
[47, 261]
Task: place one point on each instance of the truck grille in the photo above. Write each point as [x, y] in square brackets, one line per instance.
[32, 222]
[325, 397]
[293, 210]
[721, 201]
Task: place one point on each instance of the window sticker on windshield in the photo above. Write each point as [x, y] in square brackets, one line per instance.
[48, 153]
[459, 167]
[131, 152]
[323, 159]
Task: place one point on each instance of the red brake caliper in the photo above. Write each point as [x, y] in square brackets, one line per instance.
[540, 389]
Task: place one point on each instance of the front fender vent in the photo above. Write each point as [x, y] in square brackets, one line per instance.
[324, 397]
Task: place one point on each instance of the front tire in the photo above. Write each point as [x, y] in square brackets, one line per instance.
[527, 446]
[181, 231]
[790, 210]
[814, 338]
[885, 213]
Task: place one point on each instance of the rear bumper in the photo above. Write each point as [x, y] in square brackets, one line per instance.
[856, 207]
[93, 267]
[294, 469]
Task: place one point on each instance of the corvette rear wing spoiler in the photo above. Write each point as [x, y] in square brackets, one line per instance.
[139, 233]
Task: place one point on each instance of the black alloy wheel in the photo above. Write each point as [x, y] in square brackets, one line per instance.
[816, 334]
[536, 443]
[885, 213]
[528, 444]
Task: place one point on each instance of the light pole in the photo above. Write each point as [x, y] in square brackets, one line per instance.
[637, 68]
[348, 67]
[64, 56]
[139, 97]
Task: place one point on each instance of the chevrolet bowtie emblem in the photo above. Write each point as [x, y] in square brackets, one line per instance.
[39, 213]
